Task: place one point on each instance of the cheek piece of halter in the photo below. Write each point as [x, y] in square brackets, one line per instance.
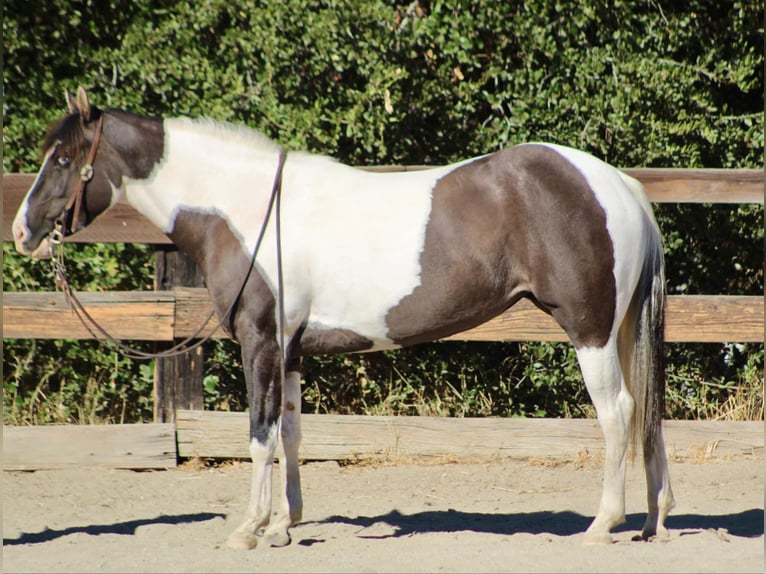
[86, 174]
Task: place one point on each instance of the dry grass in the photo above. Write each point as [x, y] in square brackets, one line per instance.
[397, 458]
[745, 404]
[583, 460]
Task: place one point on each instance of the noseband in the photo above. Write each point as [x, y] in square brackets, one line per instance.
[86, 174]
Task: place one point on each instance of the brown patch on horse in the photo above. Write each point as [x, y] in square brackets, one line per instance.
[210, 242]
[321, 341]
[496, 228]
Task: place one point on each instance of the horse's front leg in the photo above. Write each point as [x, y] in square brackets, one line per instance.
[291, 507]
[261, 366]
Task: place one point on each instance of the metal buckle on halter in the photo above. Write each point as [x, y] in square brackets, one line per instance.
[56, 235]
[56, 240]
[86, 173]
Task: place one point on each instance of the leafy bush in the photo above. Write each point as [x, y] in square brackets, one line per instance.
[671, 84]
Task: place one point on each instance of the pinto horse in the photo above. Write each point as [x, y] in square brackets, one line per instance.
[372, 261]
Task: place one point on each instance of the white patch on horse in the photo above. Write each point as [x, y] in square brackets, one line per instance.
[623, 221]
[328, 218]
[207, 167]
[351, 239]
[603, 378]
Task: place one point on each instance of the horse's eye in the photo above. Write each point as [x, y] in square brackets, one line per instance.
[63, 161]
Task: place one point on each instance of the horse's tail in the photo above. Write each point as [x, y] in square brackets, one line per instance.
[643, 337]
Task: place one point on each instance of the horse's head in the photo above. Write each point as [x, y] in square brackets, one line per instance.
[75, 182]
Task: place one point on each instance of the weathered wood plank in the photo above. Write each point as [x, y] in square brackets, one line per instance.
[178, 380]
[347, 437]
[139, 315]
[192, 307]
[522, 322]
[123, 225]
[677, 185]
[714, 319]
[115, 446]
[162, 316]
[335, 437]
[683, 185]
[690, 318]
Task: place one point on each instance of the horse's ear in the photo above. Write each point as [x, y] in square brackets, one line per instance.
[70, 101]
[80, 104]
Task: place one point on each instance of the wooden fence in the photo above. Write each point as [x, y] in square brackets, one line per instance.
[173, 310]
[210, 434]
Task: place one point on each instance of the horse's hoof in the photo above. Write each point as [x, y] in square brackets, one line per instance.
[650, 534]
[241, 541]
[277, 538]
[646, 535]
[597, 538]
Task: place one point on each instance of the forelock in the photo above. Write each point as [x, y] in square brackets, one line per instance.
[68, 130]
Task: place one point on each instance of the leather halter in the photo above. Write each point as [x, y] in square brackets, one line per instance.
[86, 174]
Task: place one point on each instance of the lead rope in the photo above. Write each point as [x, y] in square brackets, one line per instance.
[92, 326]
[280, 295]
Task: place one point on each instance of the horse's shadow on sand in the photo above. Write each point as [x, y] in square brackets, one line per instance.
[127, 528]
[747, 524]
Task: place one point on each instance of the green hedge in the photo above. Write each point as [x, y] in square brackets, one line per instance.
[667, 84]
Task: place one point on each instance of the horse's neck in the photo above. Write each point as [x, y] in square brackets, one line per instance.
[205, 169]
[138, 141]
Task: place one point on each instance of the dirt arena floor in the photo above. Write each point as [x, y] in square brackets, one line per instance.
[498, 516]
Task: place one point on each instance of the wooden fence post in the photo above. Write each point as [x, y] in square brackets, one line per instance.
[177, 380]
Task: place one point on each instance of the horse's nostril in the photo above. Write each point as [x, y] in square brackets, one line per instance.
[19, 233]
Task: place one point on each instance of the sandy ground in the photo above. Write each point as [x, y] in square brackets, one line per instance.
[486, 517]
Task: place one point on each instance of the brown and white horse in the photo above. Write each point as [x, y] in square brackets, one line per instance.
[377, 261]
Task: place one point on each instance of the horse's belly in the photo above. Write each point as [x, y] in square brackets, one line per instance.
[352, 314]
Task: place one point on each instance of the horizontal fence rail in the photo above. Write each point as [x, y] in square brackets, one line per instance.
[355, 437]
[224, 435]
[176, 314]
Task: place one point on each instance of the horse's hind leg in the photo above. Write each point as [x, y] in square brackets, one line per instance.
[659, 493]
[291, 507]
[603, 378]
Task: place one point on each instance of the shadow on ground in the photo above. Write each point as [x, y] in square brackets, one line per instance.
[747, 524]
[127, 528]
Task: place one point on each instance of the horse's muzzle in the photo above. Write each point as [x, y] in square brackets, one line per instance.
[44, 249]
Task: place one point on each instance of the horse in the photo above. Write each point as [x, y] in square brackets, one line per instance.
[360, 261]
